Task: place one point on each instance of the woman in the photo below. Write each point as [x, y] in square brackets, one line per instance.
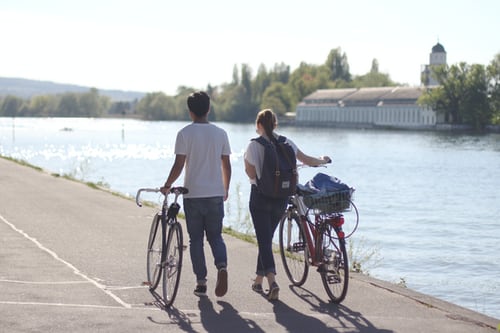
[267, 211]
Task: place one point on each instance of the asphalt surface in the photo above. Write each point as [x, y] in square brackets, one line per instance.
[73, 259]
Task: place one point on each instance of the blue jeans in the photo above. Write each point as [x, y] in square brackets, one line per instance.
[266, 213]
[204, 216]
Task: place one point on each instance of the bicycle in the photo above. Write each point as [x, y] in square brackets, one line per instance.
[165, 248]
[311, 234]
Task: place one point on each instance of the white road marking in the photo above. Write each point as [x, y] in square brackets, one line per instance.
[43, 282]
[94, 306]
[75, 270]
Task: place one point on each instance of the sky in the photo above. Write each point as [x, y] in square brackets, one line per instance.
[159, 45]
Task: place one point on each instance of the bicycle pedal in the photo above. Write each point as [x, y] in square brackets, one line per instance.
[146, 283]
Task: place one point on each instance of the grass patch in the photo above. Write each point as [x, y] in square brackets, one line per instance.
[240, 235]
[21, 162]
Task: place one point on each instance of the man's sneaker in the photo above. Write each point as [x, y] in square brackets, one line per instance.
[221, 285]
[274, 292]
[200, 291]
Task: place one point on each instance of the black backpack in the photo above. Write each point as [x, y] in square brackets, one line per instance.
[278, 178]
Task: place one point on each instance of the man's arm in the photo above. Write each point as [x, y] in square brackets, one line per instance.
[175, 172]
[226, 174]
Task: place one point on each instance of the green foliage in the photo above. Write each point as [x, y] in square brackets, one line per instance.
[363, 258]
[277, 97]
[467, 95]
[307, 79]
[494, 88]
[157, 106]
[338, 66]
[372, 79]
[402, 282]
[11, 106]
[88, 104]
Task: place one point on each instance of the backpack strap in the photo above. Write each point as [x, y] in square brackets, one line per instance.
[263, 141]
[281, 139]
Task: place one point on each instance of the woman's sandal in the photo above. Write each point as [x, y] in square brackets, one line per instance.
[257, 287]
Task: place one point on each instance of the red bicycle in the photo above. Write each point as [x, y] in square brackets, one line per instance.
[311, 234]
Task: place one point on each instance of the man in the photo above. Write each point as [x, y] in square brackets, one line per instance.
[203, 149]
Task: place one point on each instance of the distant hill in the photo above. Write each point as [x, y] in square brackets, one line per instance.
[25, 88]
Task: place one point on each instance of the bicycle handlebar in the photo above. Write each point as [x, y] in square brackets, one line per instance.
[176, 190]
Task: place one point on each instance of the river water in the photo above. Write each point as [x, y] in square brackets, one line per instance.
[429, 203]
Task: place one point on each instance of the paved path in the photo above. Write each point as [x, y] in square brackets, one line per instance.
[72, 259]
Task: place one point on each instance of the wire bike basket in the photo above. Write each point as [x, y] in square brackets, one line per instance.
[329, 202]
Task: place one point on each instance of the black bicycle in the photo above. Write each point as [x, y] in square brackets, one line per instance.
[165, 245]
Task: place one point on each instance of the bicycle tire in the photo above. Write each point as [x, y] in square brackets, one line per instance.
[293, 249]
[334, 266]
[153, 261]
[173, 263]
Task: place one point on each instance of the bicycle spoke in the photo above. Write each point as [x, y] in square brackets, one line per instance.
[154, 266]
[334, 267]
[173, 264]
[293, 249]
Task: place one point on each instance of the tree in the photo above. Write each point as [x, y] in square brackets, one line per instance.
[43, 106]
[475, 109]
[11, 106]
[260, 83]
[157, 106]
[93, 105]
[277, 98]
[305, 80]
[338, 65]
[462, 96]
[494, 88]
[374, 68]
[236, 78]
[280, 73]
[68, 106]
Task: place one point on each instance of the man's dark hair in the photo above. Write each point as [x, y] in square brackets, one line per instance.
[199, 103]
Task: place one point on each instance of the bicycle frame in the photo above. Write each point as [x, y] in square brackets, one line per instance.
[311, 229]
[169, 262]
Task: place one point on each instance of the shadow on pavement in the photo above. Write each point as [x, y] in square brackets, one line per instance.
[227, 320]
[176, 317]
[343, 315]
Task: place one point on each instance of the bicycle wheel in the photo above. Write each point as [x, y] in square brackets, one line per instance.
[173, 263]
[293, 249]
[153, 260]
[334, 268]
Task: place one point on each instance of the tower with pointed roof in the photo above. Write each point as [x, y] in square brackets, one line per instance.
[436, 58]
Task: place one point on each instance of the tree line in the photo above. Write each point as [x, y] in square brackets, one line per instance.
[468, 94]
[239, 100]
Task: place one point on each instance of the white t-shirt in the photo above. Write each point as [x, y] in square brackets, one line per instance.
[255, 155]
[203, 144]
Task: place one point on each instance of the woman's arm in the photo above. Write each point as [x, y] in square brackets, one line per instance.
[312, 161]
[250, 170]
